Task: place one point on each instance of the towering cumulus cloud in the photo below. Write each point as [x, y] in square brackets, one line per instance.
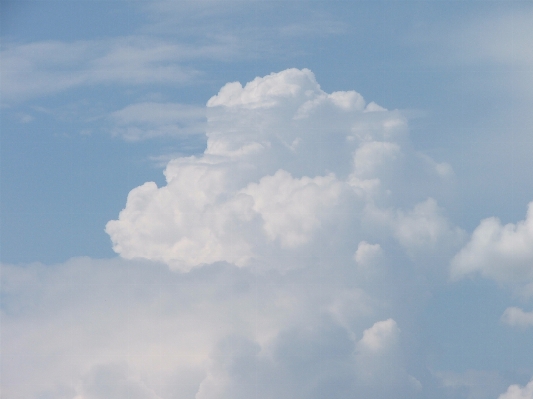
[289, 260]
[288, 169]
[303, 222]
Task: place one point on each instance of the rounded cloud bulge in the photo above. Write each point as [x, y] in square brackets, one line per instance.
[501, 253]
[289, 260]
[288, 170]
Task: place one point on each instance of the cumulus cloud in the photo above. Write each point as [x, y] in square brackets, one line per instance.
[113, 381]
[369, 259]
[265, 267]
[311, 362]
[290, 208]
[114, 328]
[423, 228]
[380, 337]
[516, 317]
[287, 168]
[518, 392]
[502, 253]
[379, 362]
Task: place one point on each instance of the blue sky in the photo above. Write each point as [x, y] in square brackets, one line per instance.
[351, 220]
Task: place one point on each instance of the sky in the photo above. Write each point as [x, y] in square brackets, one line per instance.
[266, 199]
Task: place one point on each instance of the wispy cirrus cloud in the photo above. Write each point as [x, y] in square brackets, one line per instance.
[40, 68]
[150, 119]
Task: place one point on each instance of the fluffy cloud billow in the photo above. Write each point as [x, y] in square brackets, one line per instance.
[299, 188]
[501, 253]
[91, 329]
[518, 392]
[516, 317]
[289, 260]
[288, 169]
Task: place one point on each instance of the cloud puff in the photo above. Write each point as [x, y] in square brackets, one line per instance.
[287, 169]
[517, 392]
[424, 228]
[293, 236]
[502, 253]
[369, 259]
[113, 381]
[312, 362]
[291, 208]
[377, 352]
[516, 317]
[380, 337]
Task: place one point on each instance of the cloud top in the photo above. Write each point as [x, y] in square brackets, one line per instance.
[518, 392]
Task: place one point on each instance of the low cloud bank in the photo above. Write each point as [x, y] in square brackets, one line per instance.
[91, 329]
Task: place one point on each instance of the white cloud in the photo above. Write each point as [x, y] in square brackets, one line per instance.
[516, 317]
[311, 362]
[518, 392]
[291, 208]
[40, 68]
[378, 359]
[283, 234]
[25, 118]
[151, 119]
[287, 168]
[113, 381]
[184, 224]
[368, 254]
[268, 91]
[114, 328]
[502, 253]
[507, 41]
[382, 336]
[424, 228]
[473, 384]
[94, 327]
